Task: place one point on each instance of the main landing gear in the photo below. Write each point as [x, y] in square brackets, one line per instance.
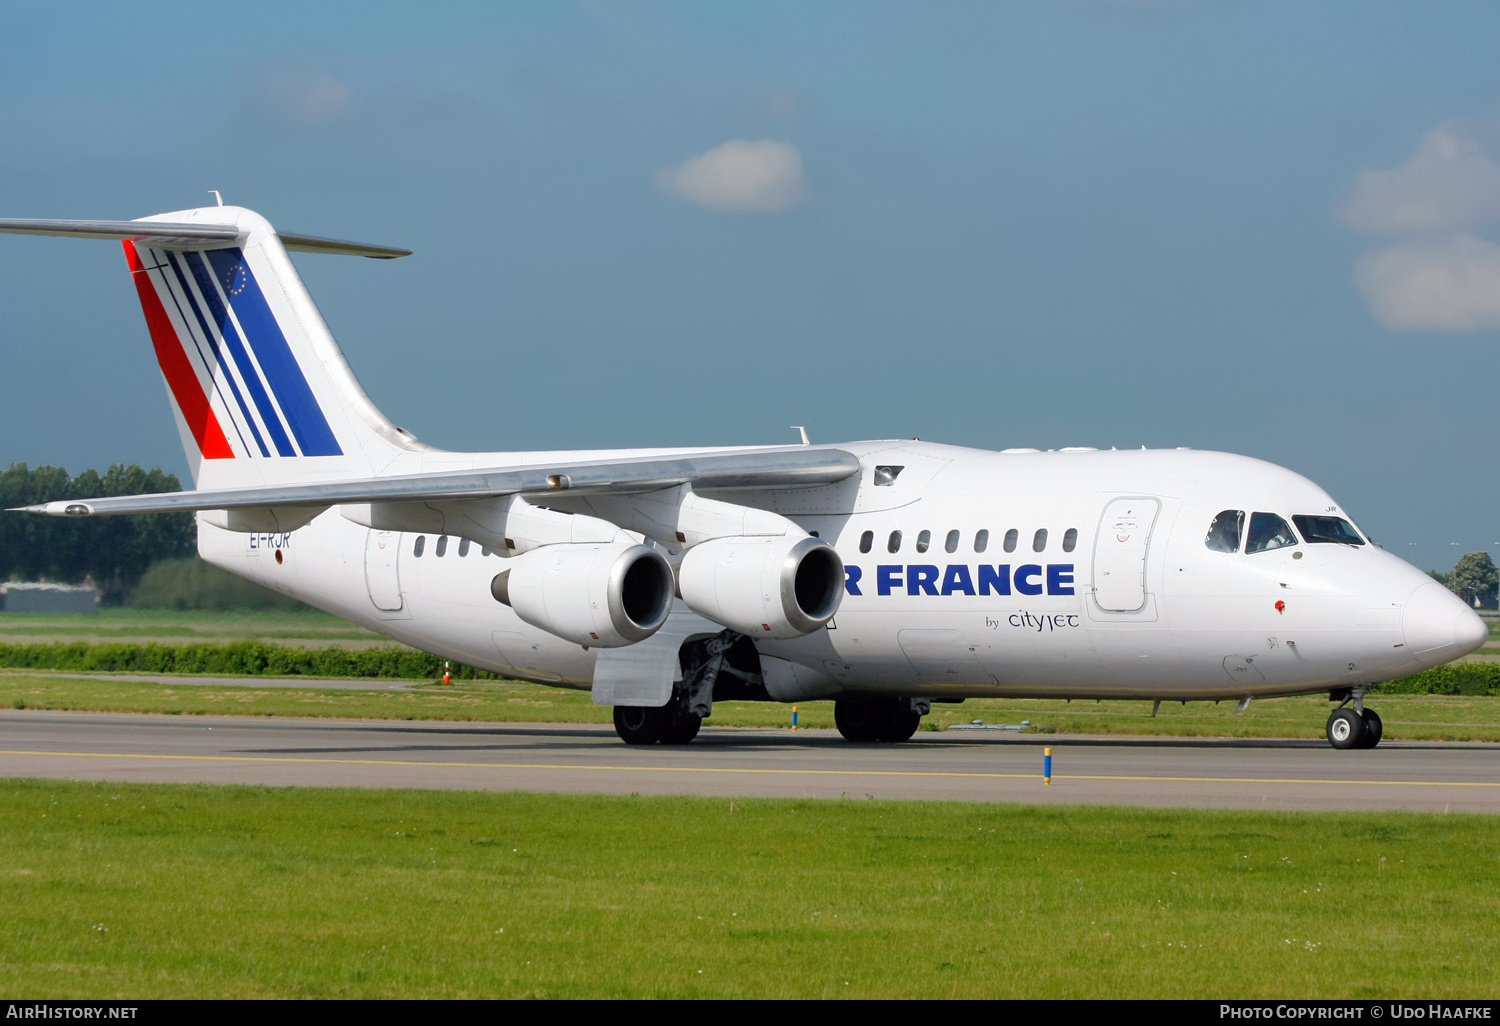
[1355, 727]
[669, 725]
[880, 718]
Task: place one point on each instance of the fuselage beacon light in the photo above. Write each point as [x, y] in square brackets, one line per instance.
[885, 575]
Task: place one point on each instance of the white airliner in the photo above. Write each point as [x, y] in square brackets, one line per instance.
[885, 575]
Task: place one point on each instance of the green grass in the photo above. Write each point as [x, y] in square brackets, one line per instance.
[176, 891]
[1408, 717]
[116, 624]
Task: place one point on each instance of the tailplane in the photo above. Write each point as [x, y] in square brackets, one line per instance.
[260, 390]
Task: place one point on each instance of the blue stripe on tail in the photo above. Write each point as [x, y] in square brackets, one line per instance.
[205, 279]
[175, 260]
[303, 415]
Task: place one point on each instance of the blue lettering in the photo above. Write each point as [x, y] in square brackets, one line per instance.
[921, 578]
[997, 577]
[1059, 578]
[956, 578]
[851, 579]
[886, 578]
[1025, 573]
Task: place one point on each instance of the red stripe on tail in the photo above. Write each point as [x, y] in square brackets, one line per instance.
[181, 378]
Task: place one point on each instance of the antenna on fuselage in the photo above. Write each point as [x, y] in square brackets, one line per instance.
[217, 196]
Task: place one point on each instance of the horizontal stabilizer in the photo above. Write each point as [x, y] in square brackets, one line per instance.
[177, 235]
[798, 467]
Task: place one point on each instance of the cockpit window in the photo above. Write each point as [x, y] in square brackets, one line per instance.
[1327, 531]
[1224, 531]
[1267, 532]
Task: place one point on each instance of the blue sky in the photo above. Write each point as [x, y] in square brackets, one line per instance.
[1266, 228]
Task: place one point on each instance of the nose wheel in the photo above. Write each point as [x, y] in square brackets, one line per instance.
[1354, 726]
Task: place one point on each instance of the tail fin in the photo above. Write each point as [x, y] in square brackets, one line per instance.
[260, 389]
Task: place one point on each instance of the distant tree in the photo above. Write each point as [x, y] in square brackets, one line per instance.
[1440, 577]
[1473, 576]
[112, 551]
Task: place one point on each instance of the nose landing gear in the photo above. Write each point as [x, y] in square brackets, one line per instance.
[1355, 727]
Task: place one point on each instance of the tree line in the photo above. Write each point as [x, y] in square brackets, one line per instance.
[1473, 577]
[110, 552]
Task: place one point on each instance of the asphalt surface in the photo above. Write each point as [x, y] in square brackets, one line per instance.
[978, 766]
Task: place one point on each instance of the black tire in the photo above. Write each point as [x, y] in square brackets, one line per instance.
[1346, 729]
[638, 725]
[682, 728]
[901, 722]
[1374, 729]
[857, 719]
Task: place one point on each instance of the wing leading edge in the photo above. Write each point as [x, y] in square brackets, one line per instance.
[799, 467]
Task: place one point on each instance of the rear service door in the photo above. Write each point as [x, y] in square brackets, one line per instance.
[1120, 554]
[382, 577]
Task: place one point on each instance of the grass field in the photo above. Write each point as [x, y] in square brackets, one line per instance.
[167, 626]
[1412, 717]
[194, 891]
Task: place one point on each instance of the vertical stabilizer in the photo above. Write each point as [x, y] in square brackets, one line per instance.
[261, 392]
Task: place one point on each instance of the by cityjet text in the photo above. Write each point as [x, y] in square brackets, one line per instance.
[1376, 1011]
[43, 1011]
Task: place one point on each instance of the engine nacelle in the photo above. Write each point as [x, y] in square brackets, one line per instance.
[594, 595]
[778, 587]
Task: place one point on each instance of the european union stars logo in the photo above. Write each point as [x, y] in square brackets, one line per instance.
[235, 278]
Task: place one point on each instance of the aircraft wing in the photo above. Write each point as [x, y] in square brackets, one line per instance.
[791, 467]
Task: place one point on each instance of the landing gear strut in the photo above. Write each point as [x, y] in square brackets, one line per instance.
[879, 719]
[1355, 727]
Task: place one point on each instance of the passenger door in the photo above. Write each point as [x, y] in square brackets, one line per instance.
[1120, 554]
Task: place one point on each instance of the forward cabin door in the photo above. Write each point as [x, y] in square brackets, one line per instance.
[1120, 554]
[382, 575]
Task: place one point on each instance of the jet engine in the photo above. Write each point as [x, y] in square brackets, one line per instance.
[594, 595]
[767, 587]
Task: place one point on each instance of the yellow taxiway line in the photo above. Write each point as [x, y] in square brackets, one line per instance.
[749, 770]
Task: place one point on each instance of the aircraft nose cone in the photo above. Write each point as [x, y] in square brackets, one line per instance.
[1439, 627]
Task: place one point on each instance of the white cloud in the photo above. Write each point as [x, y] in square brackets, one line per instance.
[1446, 284]
[1449, 185]
[739, 177]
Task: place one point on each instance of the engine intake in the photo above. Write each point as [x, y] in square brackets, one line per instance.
[766, 587]
[596, 595]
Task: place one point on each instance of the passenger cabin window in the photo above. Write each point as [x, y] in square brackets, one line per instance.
[951, 545]
[1224, 531]
[1267, 532]
[981, 541]
[418, 545]
[442, 545]
[1070, 539]
[885, 476]
[893, 544]
[1327, 531]
[1010, 539]
[924, 540]
[1039, 540]
[866, 541]
[463, 546]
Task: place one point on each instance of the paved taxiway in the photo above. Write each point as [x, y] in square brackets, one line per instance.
[1427, 776]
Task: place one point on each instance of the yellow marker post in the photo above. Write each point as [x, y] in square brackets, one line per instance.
[1047, 766]
[794, 717]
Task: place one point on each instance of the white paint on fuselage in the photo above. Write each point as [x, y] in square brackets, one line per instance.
[1209, 628]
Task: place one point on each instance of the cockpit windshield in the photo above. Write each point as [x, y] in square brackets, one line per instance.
[1327, 531]
[1267, 532]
